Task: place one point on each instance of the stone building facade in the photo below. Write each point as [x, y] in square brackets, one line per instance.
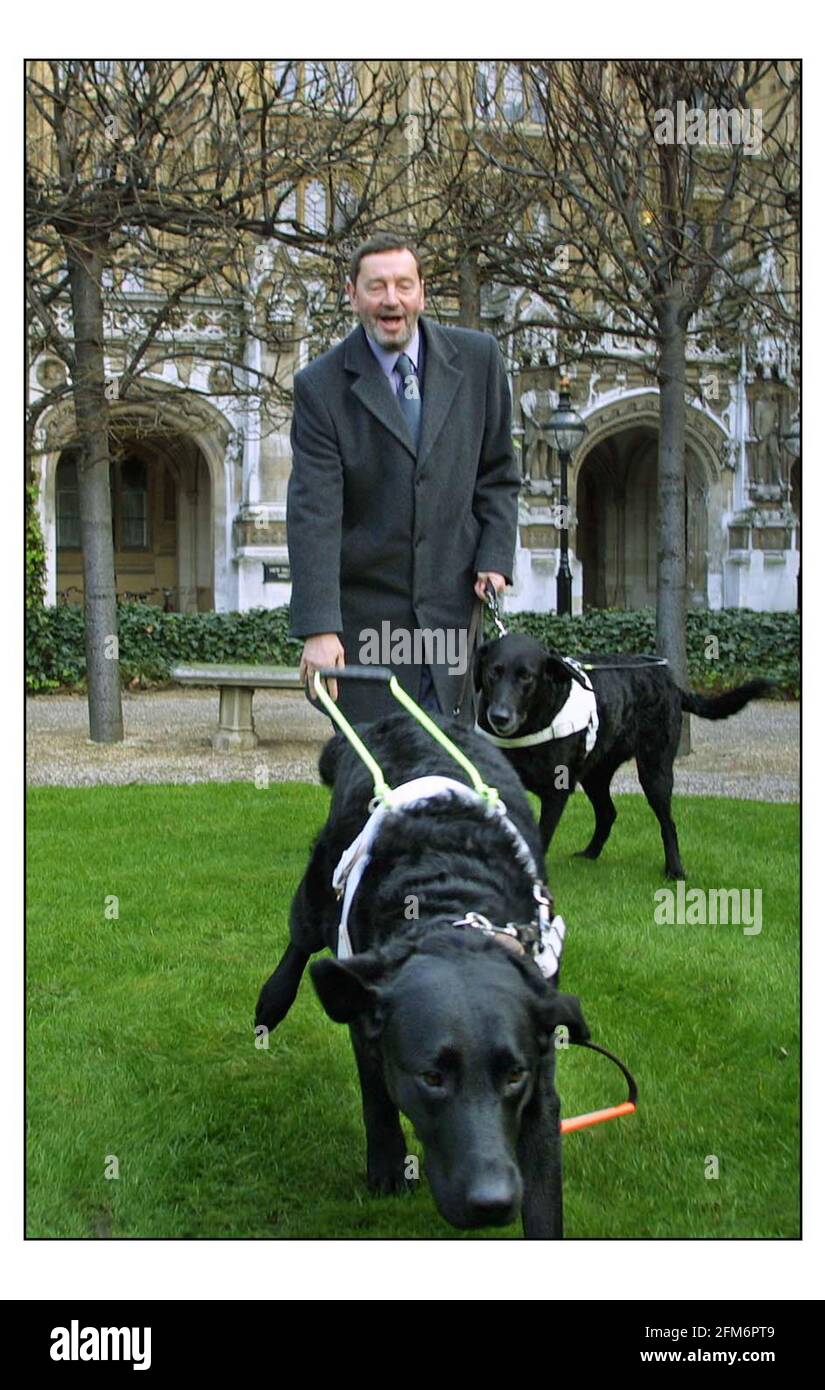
[200, 497]
[199, 486]
[743, 481]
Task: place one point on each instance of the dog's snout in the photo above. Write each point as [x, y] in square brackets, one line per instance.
[495, 1199]
[503, 718]
[477, 1188]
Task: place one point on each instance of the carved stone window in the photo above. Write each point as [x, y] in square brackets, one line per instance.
[134, 506]
[512, 94]
[345, 84]
[68, 504]
[316, 80]
[346, 206]
[285, 74]
[315, 206]
[485, 90]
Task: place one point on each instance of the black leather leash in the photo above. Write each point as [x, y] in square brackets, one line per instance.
[472, 633]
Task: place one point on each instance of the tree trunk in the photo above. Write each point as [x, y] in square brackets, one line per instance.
[92, 414]
[469, 290]
[671, 639]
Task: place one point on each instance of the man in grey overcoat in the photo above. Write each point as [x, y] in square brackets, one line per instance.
[403, 497]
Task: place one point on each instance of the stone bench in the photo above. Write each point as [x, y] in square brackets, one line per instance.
[237, 684]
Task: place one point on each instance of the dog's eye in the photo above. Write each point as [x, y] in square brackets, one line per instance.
[516, 1077]
[525, 677]
[433, 1079]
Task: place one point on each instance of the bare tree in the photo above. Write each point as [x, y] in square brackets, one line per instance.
[667, 184]
[199, 174]
[185, 170]
[466, 205]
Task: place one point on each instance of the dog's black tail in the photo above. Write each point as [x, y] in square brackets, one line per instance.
[722, 706]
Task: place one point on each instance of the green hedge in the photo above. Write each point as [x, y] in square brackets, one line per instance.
[151, 641]
[749, 644]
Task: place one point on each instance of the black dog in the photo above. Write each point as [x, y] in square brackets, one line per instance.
[448, 1026]
[522, 688]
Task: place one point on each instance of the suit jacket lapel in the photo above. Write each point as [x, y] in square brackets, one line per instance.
[441, 381]
[370, 386]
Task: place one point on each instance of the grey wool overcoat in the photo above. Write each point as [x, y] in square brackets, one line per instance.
[384, 541]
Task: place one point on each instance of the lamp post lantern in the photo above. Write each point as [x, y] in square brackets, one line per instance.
[566, 429]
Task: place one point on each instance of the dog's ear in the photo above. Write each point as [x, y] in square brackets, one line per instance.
[479, 659]
[341, 989]
[556, 1009]
[565, 1010]
[556, 669]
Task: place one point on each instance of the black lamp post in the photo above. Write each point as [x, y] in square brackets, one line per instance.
[792, 441]
[566, 429]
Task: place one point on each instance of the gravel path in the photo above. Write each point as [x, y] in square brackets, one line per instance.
[754, 755]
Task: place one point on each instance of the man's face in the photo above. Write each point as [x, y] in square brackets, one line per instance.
[388, 297]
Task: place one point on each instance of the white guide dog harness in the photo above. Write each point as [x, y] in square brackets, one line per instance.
[353, 862]
[576, 714]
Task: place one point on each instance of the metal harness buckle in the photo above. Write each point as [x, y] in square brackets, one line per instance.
[536, 938]
[491, 599]
[482, 923]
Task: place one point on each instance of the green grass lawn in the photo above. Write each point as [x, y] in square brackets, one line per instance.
[140, 1042]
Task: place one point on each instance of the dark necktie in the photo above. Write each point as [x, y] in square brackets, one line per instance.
[409, 396]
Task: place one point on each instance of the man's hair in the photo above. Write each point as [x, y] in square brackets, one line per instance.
[382, 241]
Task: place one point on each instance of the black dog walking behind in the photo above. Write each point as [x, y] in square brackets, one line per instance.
[523, 692]
[450, 1025]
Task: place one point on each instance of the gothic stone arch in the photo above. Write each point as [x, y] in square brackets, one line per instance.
[172, 412]
[619, 542]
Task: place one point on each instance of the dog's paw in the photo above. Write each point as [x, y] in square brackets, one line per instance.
[586, 853]
[387, 1182]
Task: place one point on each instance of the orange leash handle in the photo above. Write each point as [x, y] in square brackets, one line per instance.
[597, 1117]
[611, 1112]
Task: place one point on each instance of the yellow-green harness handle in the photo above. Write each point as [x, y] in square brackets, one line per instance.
[382, 673]
[382, 788]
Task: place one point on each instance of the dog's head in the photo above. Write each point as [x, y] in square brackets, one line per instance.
[461, 1026]
[519, 683]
